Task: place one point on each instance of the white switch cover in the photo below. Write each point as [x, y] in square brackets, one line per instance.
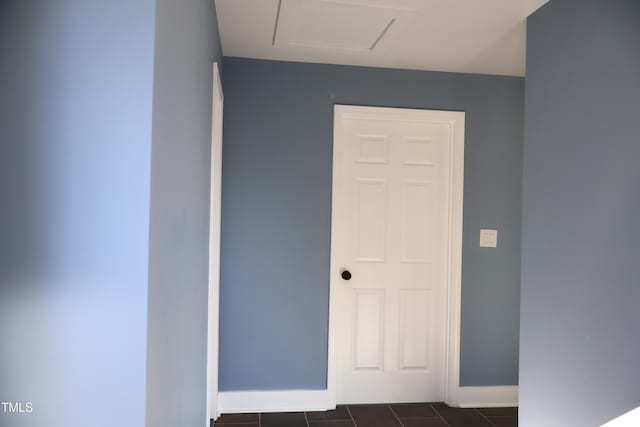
[488, 238]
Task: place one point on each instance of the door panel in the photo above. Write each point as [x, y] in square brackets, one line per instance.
[414, 334]
[371, 197]
[368, 333]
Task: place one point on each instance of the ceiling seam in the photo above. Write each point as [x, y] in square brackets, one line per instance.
[275, 28]
[375, 43]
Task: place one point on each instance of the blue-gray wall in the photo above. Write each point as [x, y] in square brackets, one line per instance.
[580, 352]
[75, 142]
[186, 44]
[104, 182]
[277, 204]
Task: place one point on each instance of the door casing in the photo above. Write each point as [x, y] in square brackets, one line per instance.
[453, 285]
[212, 409]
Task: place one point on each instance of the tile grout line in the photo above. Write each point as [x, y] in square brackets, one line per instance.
[395, 415]
[440, 415]
[351, 415]
[485, 417]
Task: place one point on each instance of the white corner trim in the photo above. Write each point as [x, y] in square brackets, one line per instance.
[233, 402]
[485, 397]
[213, 305]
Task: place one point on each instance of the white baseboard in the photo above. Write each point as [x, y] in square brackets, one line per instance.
[233, 402]
[486, 397]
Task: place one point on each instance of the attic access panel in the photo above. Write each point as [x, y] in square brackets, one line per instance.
[333, 24]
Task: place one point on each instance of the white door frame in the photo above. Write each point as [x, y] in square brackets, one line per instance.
[212, 409]
[456, 120]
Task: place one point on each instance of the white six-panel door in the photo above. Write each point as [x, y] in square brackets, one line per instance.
[391, 230]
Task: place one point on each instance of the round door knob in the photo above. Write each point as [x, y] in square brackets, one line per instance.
[346, 274]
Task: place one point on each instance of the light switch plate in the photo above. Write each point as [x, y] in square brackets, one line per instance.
[488, 238]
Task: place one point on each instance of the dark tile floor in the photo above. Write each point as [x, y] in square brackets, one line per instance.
[396, 415]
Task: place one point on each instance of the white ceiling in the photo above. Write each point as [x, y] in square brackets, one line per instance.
[469, 36]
